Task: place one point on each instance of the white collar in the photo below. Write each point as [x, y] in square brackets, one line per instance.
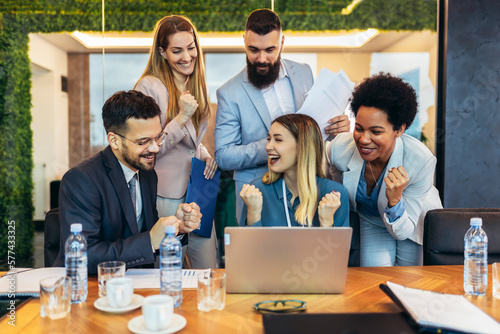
[129, 174]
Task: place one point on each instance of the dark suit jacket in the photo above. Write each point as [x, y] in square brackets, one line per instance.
[95, 194]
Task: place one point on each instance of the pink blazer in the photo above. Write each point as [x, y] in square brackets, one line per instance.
[173, 162]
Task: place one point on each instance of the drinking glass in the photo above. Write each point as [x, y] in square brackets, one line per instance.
[107, 270]
[211, 290]
[55, 297]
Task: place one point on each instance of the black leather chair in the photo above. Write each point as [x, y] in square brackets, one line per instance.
[444, 231]
[51, 237]
[54, 193]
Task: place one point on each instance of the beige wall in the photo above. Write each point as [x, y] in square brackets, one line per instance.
[357, 66]
[425, 41]
[50, 119]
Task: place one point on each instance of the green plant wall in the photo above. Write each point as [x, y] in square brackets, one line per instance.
[16, 163]
[20, 17]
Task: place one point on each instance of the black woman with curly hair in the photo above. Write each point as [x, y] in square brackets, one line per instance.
[388, 174]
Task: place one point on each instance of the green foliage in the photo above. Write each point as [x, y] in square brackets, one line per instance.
[221, 15]
[16, 164]
[20, 17]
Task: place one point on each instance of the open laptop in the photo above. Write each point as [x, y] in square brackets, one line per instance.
[286, 260]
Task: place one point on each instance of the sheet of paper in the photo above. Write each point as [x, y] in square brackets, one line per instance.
[328, 97]
[25, 281]
[444, 311]
[150, 278]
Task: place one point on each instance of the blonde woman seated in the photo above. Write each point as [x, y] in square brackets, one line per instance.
[294, 192]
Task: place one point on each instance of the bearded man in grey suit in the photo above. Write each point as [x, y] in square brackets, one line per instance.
[246, 105]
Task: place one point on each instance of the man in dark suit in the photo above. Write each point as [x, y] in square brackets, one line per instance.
[113, 193]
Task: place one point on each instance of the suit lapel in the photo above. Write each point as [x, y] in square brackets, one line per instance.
[395, 160]
[117, 177]
[352, 175]
[192, 131]
[257, 99]
[298, 95]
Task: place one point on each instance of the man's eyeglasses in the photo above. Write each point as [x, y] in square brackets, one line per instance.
[281, 306]
[159, 140]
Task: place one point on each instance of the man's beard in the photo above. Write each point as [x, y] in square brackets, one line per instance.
[263, 80]
[136, 163]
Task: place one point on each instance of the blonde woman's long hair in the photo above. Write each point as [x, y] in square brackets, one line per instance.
[159, 67]
[306, 132]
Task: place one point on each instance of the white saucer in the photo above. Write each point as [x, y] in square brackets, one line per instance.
[102, 304]
[137, 325]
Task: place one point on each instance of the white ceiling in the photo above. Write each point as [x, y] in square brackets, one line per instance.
[406, 41]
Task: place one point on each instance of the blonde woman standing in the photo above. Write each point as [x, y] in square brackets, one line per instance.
[175, 78]
[294, 192]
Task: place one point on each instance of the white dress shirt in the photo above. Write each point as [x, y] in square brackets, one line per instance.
[279, 96]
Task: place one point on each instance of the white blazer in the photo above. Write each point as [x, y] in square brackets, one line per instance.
[420, 195]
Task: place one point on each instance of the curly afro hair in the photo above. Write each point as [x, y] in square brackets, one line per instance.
[390, 94]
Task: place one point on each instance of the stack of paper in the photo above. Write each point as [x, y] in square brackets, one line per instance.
[150, 278]
[441, 312]
[328, 97]
[26, 281]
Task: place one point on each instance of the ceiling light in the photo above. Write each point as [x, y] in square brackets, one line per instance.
[348, 40]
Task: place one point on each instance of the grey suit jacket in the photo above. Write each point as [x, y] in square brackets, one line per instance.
[243, 121]
[419, 195]
[95, 194]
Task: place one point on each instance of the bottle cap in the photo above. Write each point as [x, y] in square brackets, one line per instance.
[76, 228]
[170, 229]
[476, 221]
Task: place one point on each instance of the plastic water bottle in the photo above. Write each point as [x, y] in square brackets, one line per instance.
[476, 259]
[171, 266]
[75, 251]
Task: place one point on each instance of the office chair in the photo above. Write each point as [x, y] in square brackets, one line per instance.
[51, 237]
[444, 231]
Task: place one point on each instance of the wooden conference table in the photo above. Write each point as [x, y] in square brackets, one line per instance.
[361, 295]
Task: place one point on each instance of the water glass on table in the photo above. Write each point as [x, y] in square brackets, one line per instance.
[496, 279]
[55, 297]
[211, 290]
[108, 270]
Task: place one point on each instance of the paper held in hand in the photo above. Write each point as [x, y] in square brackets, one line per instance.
[328, 97]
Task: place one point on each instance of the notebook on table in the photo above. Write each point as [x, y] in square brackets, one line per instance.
[338, 323]
[286, 260]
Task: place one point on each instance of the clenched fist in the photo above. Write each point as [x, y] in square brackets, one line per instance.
[327, 208]
[253, 200]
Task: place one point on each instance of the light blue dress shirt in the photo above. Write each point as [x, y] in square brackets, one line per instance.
[368, 204]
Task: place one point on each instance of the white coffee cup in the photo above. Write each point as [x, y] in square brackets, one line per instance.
[119, 291]
[157, 311]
